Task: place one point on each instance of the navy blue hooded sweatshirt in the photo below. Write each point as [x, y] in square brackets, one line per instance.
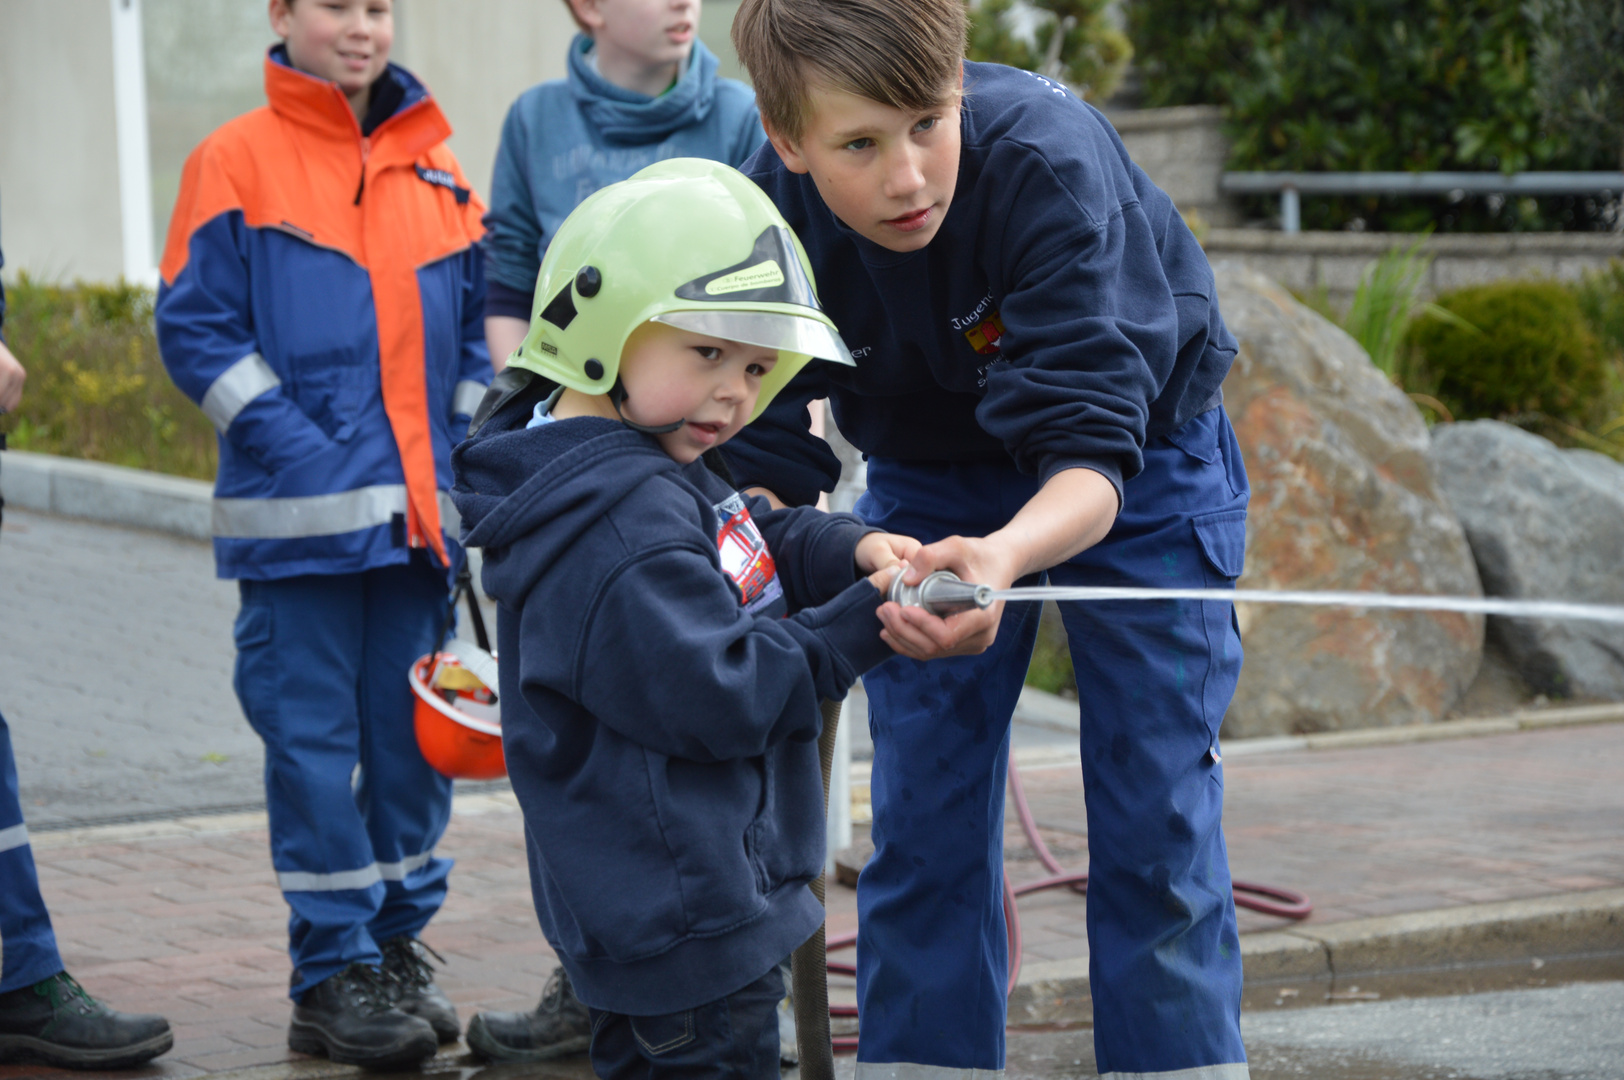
[664, 645]
[1062, 315]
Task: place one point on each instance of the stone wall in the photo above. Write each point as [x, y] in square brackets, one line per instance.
[1334, 261]
[1183, 152]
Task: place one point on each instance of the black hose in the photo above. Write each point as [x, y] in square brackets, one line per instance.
[809, 972]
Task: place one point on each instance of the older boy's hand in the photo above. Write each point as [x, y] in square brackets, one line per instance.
[916, 633]
[879, 551]
[12, 376]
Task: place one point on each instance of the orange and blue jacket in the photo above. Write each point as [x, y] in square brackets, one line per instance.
[322, 299]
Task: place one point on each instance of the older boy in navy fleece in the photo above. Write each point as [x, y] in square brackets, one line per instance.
[1040, 356]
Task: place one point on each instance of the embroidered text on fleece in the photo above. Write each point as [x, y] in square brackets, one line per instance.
[665, 643]
[1062, 315]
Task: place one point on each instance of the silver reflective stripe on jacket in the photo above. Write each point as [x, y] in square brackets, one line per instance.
[465, 401]
[237, 385]
[366, 877]
[14, 837]
[320, 515]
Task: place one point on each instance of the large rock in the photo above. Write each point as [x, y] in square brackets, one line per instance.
[1343, 497]
[1545, 524]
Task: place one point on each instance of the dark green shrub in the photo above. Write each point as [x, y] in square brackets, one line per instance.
[1531, 357]
[96, 386]
[1090, 55]
[1368, 85]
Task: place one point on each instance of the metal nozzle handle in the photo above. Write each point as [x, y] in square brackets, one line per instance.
[941, 593]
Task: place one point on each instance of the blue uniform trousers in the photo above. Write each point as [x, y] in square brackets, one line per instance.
[355, 811]
[1154, 680]
[27, 944]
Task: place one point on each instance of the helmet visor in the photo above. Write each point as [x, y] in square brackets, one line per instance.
[769, 330]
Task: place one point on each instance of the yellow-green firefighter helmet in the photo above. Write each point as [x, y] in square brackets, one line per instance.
[686, 242]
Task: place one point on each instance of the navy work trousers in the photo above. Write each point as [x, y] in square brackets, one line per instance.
[734, 1038]
[355, 811]
[27, 944]
[1154, 681]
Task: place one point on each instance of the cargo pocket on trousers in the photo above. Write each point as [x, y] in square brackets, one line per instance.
[1222, 536]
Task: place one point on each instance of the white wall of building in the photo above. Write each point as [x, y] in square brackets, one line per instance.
[77, 77]
[60, 215]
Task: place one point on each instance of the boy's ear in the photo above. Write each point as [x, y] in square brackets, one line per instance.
[586, 14]
[280, 13]
[788, 151]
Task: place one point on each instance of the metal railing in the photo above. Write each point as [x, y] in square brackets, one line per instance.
[1291, 185]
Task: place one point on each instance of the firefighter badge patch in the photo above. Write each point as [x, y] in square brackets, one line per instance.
[983, 337]
[744, 554]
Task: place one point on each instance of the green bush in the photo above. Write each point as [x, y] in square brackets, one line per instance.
[1532, 355]
[1090, 53]
[1368, 85]
[96, 387]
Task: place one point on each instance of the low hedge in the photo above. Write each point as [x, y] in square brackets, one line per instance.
[1369, 85]
[96, 387]
[1526, 349]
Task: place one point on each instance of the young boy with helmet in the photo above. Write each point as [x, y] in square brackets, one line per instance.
[665, 640]
[321, 300]
[1039, 393]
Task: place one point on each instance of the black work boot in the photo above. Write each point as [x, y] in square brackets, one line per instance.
[56, 1022]
[349, 1019]
[558, 1026]
[412, 988]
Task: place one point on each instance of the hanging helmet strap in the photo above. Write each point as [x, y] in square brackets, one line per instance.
[617, 395]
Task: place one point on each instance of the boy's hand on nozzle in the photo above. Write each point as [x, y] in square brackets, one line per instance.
[916, 633]
[880, 551]
[881, 579]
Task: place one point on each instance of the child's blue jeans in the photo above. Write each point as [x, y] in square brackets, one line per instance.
[735, 1037]
[1154, 681]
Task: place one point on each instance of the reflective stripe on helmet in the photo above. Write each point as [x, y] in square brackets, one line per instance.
[789, 333]
[235, 387]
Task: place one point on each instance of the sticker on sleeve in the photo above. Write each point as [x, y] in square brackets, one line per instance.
[744, 554]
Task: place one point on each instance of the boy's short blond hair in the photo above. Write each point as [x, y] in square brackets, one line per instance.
[902, 53]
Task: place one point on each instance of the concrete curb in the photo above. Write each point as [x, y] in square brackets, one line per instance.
[110, 494]
[1512, 931]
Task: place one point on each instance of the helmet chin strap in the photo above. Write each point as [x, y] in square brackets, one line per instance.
[617, 396]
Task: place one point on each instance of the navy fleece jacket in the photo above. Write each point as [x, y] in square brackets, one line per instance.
[1062, 315]
[664, 645]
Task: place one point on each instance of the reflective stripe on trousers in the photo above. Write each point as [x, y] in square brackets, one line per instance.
[868, 1070]
[298, 881]
[14, 837]
[320, 515]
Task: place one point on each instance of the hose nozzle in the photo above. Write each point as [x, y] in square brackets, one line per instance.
[941, 593]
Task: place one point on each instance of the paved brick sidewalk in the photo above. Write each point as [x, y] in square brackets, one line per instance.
[192, 925]
[1380, 830]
